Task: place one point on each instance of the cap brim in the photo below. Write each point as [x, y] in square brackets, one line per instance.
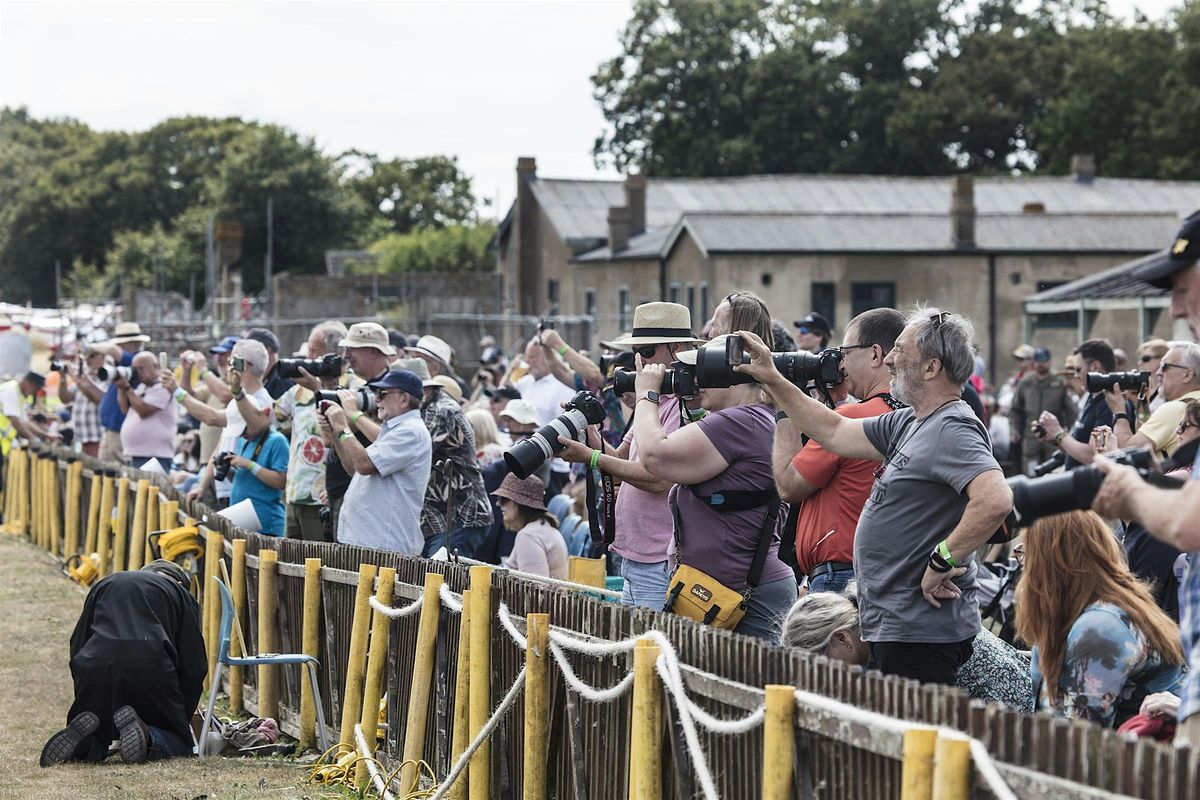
[386, 350]
[430, 353]
[127, 339]
[638, 341]
[1158, 271]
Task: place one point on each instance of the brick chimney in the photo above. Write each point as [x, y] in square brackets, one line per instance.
[1083, 167]
[962, 212]
[635, 201]
[529, 264]
[618, 228]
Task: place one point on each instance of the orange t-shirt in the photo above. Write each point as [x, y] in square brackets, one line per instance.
[829, 517]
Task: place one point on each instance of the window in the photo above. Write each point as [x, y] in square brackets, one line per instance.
[589, 302]
[552, 296]
[865, 296]
[623, 308]
[673, 292]
[691, 303]
[824, 300]
[703, 303]
[1060, 319]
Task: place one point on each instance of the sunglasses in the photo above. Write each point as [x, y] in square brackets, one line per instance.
[382, 393]
[1166, 365]
[1146, 359]
[804, 329]
[1184, 425]
[647, 351]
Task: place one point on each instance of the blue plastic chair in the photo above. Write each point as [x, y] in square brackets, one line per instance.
[566, 527]
[225, 660]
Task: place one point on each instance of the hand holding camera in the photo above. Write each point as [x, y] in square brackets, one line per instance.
[234, 378]
[168, 381]
[333, 415]
[550, 339]
[1046, 427]
[649, 377]
[348, 401]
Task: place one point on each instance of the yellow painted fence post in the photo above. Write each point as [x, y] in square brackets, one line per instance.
[460, 735]
[481, 679]
[121, 526]
[137, 536]
[916, 774]
[373, 691]
[422, 679]
[73, 498]
[537, 704]
[645, 739]
[952, 767]
[268, 632]
[352, 694]
[311, 645]
[104, 534]
[779, 742]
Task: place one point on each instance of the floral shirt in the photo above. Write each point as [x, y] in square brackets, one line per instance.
[453, 440]
[1108, 669]
[306, 460]
[997, 671]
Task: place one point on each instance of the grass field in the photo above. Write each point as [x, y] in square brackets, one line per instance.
[38, 610]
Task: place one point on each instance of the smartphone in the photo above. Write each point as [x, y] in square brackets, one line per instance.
[238, 364]
[324, 405]
[162, 361]
[735, 351]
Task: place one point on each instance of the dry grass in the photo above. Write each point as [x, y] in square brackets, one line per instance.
[38, 610]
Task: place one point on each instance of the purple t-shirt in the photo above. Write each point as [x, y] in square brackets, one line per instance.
[723, 544]
[644, 518]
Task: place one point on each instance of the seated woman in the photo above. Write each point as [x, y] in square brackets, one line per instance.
[488, 447]
[726, 454]
[826, 624]
[1100, 644]
[539, 548]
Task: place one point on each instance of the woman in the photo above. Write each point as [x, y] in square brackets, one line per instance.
[539, 548]
[726, 453]
[488, 447]
[1100, 644]
[826, 624]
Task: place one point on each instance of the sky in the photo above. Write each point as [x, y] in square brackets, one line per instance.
[487, 81]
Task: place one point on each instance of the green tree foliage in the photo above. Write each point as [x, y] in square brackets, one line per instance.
[899, 86]
[427, 192]
[459, 248]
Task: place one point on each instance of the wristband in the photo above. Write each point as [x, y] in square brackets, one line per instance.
[937, 563]
[1059, 437]
[356, 417]
[562, 351]
[780, 416]
[595, 459]
[239, 395]
[205, 374]
[180, 394]
[1122, 415]
[255, 468]
[944, 552]
[344, 435]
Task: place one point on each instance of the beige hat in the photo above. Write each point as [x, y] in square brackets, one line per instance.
[520, 412]
[690, 356]
[417, 367]
[368, 334]
[433, 347]
[450, 385]
[612, 343]
[659, 323]
[1024, 351]
[128, 332]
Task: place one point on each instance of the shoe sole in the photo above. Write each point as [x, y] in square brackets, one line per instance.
[132, 742]
[62, 745]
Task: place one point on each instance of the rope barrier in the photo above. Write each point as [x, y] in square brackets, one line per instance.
[506, 621]
[450, 600]
[396, 613]
[989, 773]
[585, 690]
[580, 587]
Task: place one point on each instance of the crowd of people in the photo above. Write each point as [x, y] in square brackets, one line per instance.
[866, 517]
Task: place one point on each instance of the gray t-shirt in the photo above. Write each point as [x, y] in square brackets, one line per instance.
[918, 498]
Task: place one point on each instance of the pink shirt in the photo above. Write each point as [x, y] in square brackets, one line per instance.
[644, 530]
[143, 437]
[539, 549]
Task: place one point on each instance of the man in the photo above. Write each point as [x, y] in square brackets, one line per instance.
[382, 506]
[1177, 269]
[814, 332]
[546, 394]
[127, 341]
[16, 399]
[835, 489]
[498, 400]
[576, 371]
[438, 357]
[148, 433]
[138, 662]
[16, 351]
[1040, 390]
[1179, 381]
[296, 411]
[519, 421]
[1094, 355]
[84, 392]
[272, 382]
[643, 516]
[938, 496]
[248, 362]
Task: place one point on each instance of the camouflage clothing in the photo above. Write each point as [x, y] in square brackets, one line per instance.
[453, 440]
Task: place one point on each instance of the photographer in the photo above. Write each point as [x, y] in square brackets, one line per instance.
[1179, 381]
[1094, 355]
[16, 400]
[938, 496]
[127, 341]
[84, 392]
[576, 370]
[1039, 391]
[546, 394]
[834, 489]
[275, 384]
[726, 454]
[147, 434]
[382, 506]
[260, 458]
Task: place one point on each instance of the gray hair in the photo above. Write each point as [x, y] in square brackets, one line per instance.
[948, 337]
[813, 620]
[254, 353]
[331, 332]
[1191, 356]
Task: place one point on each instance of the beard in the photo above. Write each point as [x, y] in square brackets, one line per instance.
[907, 385]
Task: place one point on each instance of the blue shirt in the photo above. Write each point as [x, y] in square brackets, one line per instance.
[268, 502]
[111, 418]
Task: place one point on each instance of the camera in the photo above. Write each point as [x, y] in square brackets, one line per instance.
[714, 366]
[58, 366]
[328, 367]
[1034, 498]
[1128, 381]
[679, 380]
[112, 373]
[524, 457]
[1050, 464]
[608, 362]
[222, 466]
[366, 399]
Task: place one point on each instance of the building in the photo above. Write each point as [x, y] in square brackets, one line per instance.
[834, 244]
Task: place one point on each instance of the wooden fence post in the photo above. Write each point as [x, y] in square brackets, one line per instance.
[352, 695]
[54, 503]
[213, 546]
[422, 677]
[537, 704]
[93, 514]
[311, 626]
[104, 533]
[916, 776]
[268, 632]
[137, 536]
[377, 660]
[71, 522]
[481, 679]
[779, 742]
[645, 740]
[237, 577]
[460, 731]
[120, 526]
[152, 524]
[952, 767]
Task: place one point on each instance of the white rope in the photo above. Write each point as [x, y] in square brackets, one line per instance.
[451, 600]
[586, 691]
[871, 719]
[674, 683]
[369, 759]
[581, 587]
[506, 621]
[396, 613]
[595, 649]
[987, 769]
[461, 765]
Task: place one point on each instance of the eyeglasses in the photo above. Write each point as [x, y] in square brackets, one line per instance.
[1163, 366]
[382, 393]
[936, 323]
[847, 347]
[1184, 425]
[804, 329]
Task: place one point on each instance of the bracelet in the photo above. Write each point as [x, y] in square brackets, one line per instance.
[205, 374]
[239, 395]
[180, 394]
[944, 552]
[595, 459]
[1122, 415]
[356, 417]
[255, 468]
[562, 351]
[1059, 437]
[937, 563]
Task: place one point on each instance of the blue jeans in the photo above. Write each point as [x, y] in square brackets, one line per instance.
[165, 744]
[465, 540]
[831, 581]
[645, 583]
[768, 606]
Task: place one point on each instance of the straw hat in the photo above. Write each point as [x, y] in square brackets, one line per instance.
[450, 385]
[368, 334]
[530, 492]
[128, 332]
[659, 323]
[611, 344]
[433, 347]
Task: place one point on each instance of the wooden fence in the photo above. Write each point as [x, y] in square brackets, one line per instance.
[838, 751]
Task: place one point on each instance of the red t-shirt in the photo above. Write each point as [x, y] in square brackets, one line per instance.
[828, 518]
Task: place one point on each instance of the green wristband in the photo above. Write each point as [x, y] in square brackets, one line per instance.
[357, 416]
[595, 459]
[944, 552]
[255, 468]
[180, 394]
[562, 351]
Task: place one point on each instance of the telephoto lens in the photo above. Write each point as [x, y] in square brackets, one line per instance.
[112, 373]
[1128, 381]
[328, 367]
[715, 366]
[524, 457]
[366, 399]
[680, 381]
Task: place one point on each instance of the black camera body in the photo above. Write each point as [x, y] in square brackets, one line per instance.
[609, 362]
[1128, 381]
[679, 380]
[525, 457]
[58, 366]
[222, 466]
[328, 367]
[366, 399]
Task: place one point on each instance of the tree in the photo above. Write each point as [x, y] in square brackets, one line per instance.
[455, 248]
[427, 192]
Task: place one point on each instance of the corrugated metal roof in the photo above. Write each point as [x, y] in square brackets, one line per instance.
[1116, 282]
[578, 209]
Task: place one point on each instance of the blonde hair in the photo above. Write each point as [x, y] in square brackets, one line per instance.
[1157, 347]
[484, 426]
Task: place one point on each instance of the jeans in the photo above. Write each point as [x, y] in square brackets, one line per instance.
[465, 541]
[831, 581]
[768, 606]
[166, 744]
[646, 584]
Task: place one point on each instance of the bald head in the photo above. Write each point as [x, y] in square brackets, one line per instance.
[145, 364]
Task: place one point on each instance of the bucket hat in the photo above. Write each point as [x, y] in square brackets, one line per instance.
[368, 334]
[127, 332]
[530, 492]
[433, 347]
[417, 367]
[658, 323]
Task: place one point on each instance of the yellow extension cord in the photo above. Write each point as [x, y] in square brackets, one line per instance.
[344, 770]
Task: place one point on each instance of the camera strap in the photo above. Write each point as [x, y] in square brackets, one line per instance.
[602, 537]
[258, 446]
[731, 501]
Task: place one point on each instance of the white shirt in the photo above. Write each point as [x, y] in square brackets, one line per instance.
[546, 395]
[234, 426]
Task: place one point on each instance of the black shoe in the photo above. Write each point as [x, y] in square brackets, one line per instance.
[64, 745]
[133, 740]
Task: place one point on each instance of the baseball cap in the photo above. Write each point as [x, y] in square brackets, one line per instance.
[1182, 253]
[368, 334]
[400, 379]
[504, 391]
[816, 322]
[520, 412]
[225, 345]
[36, 379]
[1024, 351]
[269, 340]
[1041, 355]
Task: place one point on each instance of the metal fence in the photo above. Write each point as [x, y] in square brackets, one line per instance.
[848, 738]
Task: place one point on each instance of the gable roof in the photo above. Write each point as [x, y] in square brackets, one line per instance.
[1113, 283]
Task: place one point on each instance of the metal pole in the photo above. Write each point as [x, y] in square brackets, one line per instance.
[269, 264]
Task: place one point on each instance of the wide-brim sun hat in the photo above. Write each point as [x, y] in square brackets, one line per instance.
[612, 344]
[450, 386]
[417, 367]
[368, 334]
[530, 492]
[659, 323]
[128, 332]
[433, 347]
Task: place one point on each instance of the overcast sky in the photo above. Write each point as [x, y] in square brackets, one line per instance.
[487, 81]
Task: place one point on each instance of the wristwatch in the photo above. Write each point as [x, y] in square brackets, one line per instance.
[1121, 415]
[652, 396]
